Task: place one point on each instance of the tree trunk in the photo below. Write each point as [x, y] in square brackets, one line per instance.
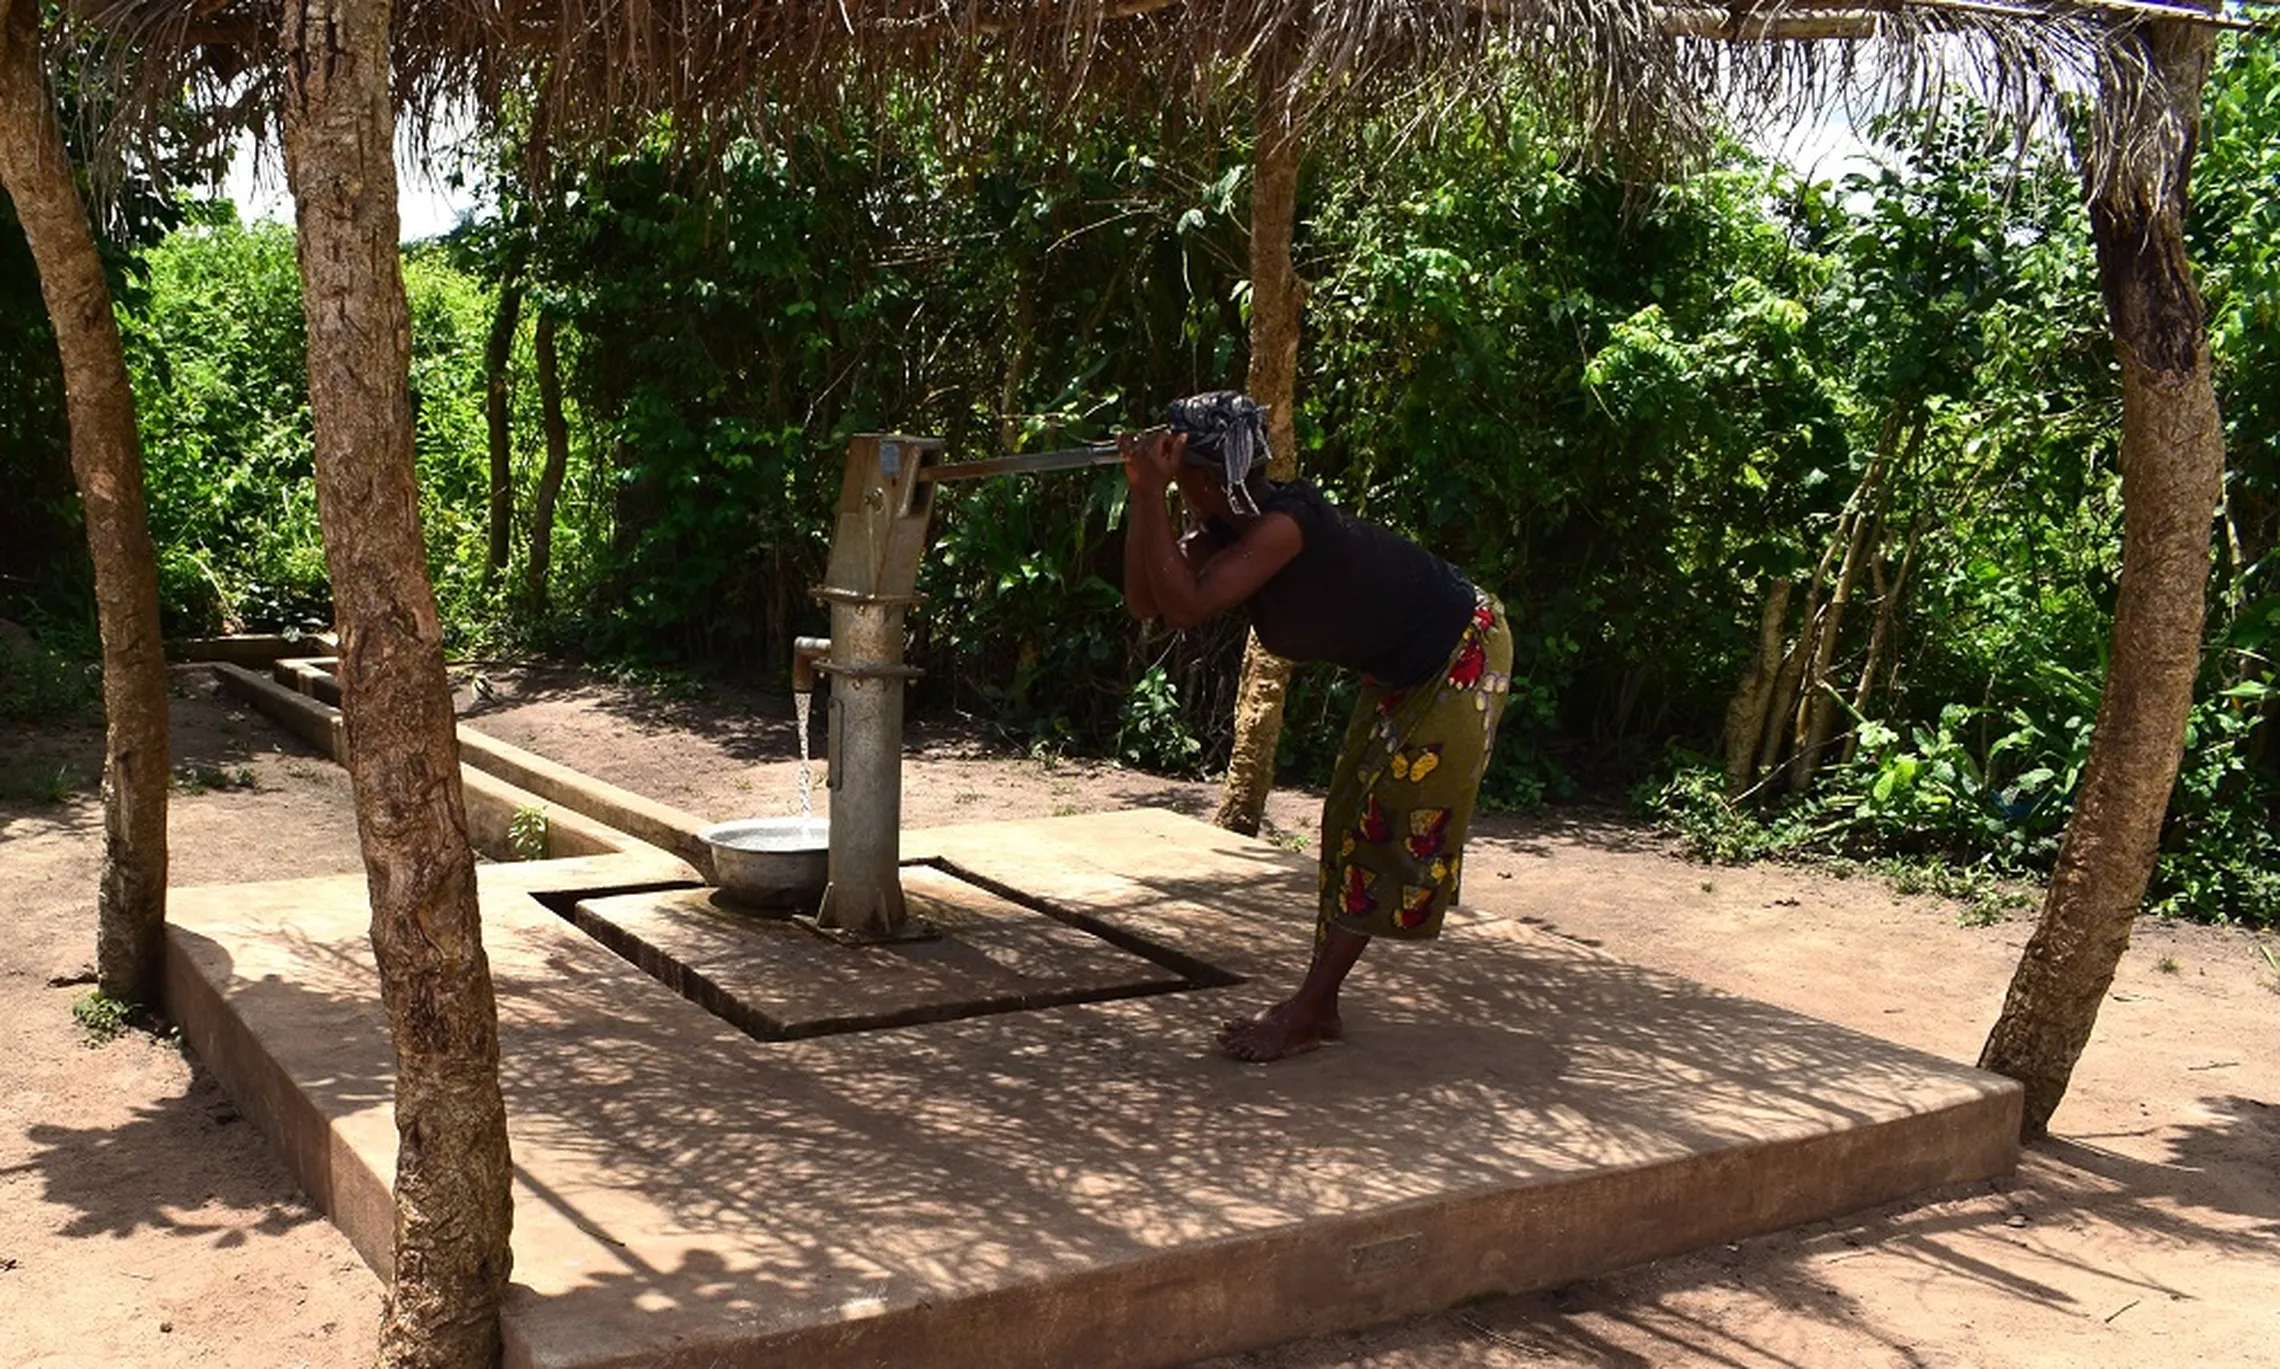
[1816, 714]
[452, 1172]
[1746, 715]
[2172, 460]
[1791, 671]
[1889, 592]
[498, 362]
[1275, 306]
[106, 461]
[557, 457]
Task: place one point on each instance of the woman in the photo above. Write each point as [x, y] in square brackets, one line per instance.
[1319, 585]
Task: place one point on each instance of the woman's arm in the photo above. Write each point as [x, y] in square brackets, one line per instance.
[1163, 577]
[1139, 597]
[1186, 595]
[1196, 549]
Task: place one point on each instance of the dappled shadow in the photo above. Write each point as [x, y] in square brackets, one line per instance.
[1658, 1314]
[2226, 1164]
[224, 735]
[1136, 790]
[2215, 1173]
[1542, 831]
[45, 771]
[971, 1157]
[169, 1167]
[682, 1182]
[74, 815]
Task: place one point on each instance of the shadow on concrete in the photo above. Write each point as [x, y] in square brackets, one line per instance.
[670, 1164]
[911, 1158]
[2220, 1168]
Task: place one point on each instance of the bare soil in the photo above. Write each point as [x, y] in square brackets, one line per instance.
[142, 1222]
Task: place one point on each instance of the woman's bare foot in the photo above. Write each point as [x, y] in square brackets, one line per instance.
[1285, 1029]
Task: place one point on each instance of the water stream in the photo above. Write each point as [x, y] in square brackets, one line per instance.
[807, 771]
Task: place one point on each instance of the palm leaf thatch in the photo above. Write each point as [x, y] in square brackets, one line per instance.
[1647, 80]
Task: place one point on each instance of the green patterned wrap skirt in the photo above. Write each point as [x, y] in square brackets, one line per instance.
[1401, 800]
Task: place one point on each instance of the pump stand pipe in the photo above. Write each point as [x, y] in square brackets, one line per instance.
[886, 499]
[870, 582]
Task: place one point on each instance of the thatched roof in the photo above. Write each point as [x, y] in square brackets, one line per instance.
[1633, 75]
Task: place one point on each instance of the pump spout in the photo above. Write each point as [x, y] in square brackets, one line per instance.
[806, 651]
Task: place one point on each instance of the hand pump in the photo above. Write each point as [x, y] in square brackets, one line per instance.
[885, 501]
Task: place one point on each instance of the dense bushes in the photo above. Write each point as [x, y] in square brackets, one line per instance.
[216, 356]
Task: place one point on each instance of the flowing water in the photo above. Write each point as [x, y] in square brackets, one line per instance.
[807, 771]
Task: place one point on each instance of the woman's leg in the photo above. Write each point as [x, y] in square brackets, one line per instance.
[1393, 831]
[1307, 1018]
[1310, 1017]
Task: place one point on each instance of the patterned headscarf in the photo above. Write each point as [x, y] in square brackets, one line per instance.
[1226, 431]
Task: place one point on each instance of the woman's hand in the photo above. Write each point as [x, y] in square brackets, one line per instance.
[1150, 459]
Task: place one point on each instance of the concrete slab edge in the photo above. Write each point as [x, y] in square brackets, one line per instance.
[310, 675]
[302, 695]
[316, 723]
[326, 1163]
[573, 826]
[492, 805]
[661, 825]
[1250, 1292]
[249, 649]
[338, 1183]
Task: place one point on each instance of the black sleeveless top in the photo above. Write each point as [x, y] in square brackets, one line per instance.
[1357, 595]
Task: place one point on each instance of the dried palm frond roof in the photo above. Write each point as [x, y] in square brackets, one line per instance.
[1638, 76]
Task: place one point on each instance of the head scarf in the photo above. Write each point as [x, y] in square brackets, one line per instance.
[1227, 432]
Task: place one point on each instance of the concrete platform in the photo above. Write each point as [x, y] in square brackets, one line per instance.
[1087, 1184]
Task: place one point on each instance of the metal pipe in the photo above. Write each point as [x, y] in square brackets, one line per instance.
[864, 897]
[885, 501]
[1034, 463]
[871, 580]
[806, 651]
[1073, 458]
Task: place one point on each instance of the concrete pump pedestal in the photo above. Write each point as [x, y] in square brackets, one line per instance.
[1082, 1184]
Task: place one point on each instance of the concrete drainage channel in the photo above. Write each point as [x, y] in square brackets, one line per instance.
[584, 816]
[995, 950]
[985, 947]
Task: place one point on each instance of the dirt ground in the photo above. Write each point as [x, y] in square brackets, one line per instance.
[142, 1222]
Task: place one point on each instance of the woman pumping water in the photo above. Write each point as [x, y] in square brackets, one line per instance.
[1319, 584]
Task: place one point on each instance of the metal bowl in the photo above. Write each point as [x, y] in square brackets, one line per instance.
[771, 862]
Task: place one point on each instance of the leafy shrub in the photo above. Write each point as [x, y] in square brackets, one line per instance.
[1153, 736]
[38, 684]
[103, 1019]
[527, 832]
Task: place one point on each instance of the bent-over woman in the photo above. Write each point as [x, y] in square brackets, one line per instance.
[1318, 584]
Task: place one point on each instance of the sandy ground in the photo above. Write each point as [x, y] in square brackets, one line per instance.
[142, 1222]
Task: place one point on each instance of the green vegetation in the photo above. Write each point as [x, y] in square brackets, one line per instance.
[44, 784]
[202, 779]
[526, 832]
[1631, 412]
[103, 1019]
[38, 681]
